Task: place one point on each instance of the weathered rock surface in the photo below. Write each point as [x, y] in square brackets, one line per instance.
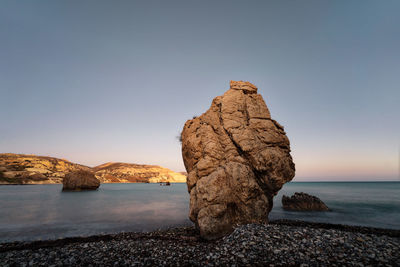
[237, 158]
[31, 169]
[303, 202]
[115, 172]
[80, 180]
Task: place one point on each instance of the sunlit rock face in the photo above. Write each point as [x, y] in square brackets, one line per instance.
[116, 172]
[80, 180]
[31, 169]
[237, 159]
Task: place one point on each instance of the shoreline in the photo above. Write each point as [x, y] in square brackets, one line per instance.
[343, 227]
[192, 234]
[282, 242]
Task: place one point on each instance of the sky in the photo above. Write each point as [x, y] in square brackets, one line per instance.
[101, 81]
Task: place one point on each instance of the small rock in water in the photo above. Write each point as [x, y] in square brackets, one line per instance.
[303, 202]
[80, 180]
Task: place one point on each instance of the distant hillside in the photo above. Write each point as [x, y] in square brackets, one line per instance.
[116, 172]
[31, 169]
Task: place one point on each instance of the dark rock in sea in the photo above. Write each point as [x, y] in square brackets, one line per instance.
[237, 158]
[303, 202]
[80, 180]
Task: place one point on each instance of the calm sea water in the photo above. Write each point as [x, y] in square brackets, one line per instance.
[34, 212]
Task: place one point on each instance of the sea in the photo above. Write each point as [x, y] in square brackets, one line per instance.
[41, 212]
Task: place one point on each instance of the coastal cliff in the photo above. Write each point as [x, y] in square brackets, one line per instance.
[32, 169]
[116, 172]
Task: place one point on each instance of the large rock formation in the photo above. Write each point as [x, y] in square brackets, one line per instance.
[237, 158]
[303, 202]
[116, 172]
[80, 180]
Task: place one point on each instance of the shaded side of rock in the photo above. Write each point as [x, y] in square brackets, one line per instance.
[303, 202]
[80, 180]
[237, 158]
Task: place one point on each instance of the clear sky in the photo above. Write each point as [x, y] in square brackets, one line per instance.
[99, 81]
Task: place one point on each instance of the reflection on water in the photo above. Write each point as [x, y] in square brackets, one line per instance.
[33, 212]
[44, 211]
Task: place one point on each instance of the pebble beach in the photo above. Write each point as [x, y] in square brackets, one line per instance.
[280, 243]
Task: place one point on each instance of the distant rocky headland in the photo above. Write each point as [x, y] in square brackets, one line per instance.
[32, 169]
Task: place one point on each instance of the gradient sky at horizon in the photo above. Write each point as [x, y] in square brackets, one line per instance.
[99, 81]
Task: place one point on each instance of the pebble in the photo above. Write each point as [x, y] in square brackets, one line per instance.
[247, 245]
